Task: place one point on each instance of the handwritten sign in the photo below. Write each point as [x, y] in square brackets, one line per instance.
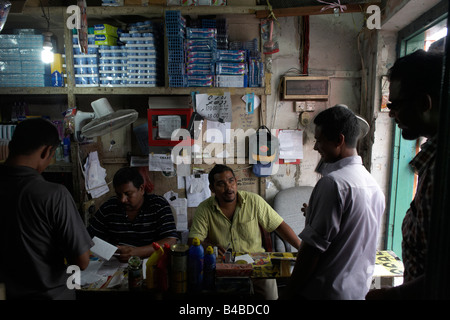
[216, 108]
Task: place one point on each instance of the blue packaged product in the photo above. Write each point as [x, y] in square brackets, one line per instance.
[195, 266]
[209, 271]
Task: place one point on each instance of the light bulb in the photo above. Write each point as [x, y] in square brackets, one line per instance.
[47, 55]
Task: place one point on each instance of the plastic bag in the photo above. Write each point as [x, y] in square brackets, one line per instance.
[5, 6]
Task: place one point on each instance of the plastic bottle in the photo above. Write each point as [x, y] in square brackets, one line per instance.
[151, 265]
[162, 270]
[66, 148]
[209, 270]
[195, 266]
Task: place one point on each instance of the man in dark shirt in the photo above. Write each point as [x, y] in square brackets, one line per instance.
[415, 86]
[132, 219]
[40, 226]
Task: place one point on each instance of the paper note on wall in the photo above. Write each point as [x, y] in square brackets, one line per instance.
[160, 162]
[197, 189]
[291, 144]
[217, 132]
[216, 108]
[179, 205]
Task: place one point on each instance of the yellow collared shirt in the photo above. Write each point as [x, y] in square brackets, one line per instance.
[242, 232]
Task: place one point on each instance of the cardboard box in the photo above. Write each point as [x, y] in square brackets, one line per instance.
[57, 76]
[105, 29]
[145, 2]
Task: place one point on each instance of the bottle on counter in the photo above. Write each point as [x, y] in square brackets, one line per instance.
[209, 270]
[162, 270]
[151, 265]
[195, 266]
[134, 273]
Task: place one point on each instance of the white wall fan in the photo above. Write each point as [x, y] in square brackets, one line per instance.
[104, 120]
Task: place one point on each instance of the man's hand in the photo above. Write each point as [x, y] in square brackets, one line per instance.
[305, 206]
[125, 252]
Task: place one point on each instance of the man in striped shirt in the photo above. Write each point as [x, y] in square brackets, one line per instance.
[133, 219]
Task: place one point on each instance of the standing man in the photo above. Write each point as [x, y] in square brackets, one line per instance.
[231, 219]
[133, 219]
[415, 92]
[40, 226]
[337, 255]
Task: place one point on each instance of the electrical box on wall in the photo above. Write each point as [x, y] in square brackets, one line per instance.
[305, 88]
[162, 122]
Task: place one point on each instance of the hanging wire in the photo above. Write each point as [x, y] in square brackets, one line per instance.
[271, 14]
[44, 15]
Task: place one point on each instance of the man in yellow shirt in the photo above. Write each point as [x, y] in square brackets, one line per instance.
[231, 218]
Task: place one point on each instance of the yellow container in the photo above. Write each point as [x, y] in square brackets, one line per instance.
[57, 70]
[151, 265]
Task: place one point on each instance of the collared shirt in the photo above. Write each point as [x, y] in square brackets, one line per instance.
[416, 222]
[154, 222]
[242, 232]
[342, 222]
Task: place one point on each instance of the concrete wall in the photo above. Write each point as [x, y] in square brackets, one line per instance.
[334, 52]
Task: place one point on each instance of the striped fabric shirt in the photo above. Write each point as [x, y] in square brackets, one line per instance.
[417, 219]
[154, 222]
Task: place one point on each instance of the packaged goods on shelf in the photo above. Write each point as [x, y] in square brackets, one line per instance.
[175, 32]
[112, 3]
[20, 60]
[144, 56]
[86, 67]
[105, 39]
[112, 66]
[57, 74]
[225, 81]
[189, 3]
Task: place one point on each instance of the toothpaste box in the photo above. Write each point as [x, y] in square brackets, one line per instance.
[57, 76]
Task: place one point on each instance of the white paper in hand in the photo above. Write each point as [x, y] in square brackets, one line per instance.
[103, 249]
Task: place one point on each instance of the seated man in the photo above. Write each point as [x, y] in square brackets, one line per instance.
[133, 220]
[231, 218]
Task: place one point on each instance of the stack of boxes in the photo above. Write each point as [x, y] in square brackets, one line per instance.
[112, 66]
[86, 65]
[201, 46]
[20, 60]
[119, 59]
[112, 57]
[199, 56]
[175, 32]
[255, 64]
[231, 68]
[144, 57]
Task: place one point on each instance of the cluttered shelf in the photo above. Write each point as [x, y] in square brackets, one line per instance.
[83, 84]
[149, 11]
[185, 10]
[33, 91]
[127, 91]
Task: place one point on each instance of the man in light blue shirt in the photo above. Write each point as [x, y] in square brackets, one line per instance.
[337, 255]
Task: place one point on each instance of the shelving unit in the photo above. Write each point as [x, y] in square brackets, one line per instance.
[31, 17]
